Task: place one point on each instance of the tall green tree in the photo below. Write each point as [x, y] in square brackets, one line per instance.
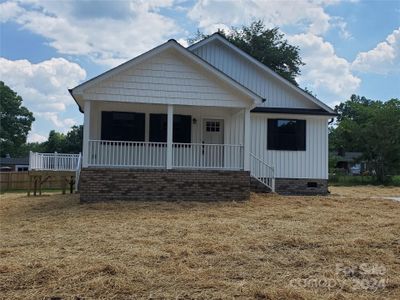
[64, 143]
[266, 45]
[55, 142]
[15, 121]
[73, 140]
[373, 128]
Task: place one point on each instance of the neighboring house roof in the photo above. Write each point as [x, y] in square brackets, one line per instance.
[14, 161]
[264, 68]
[78, 90]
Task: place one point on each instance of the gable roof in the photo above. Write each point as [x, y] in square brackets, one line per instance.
[218, 37]
[77, 91]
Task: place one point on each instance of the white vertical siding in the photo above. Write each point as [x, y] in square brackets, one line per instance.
[312, 163]
[167, 78]
[275, 93]
[234, 129]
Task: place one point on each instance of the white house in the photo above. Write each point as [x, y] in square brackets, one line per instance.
[199, 123]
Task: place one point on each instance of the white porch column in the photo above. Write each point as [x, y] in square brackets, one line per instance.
[86, 133]
[170, 125]
[247, 135]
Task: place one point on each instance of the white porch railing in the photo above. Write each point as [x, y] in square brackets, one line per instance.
[154, 155]
[54, 161]
[263, 172]
[207, 156]
[129, 154]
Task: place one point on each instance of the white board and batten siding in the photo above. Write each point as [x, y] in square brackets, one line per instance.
[250, 76]
[311, 163]
[167, 78]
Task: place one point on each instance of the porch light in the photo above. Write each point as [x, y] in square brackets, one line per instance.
[194, 121]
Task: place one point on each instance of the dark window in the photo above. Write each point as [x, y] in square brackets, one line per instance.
[122, 126]
[286, 134]
[182, 129]
[158, 128]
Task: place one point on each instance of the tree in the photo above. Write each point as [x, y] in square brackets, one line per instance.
[373, 128]
[74, 138]
[15, 121]
[266, 45]
[65, 143]
[55, 142]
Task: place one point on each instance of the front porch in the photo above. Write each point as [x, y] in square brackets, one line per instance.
[122, 135]
[164, 152]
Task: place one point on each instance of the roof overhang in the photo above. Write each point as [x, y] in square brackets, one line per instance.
[293, 111]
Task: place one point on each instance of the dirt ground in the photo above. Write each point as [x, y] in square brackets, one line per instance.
[342, 246]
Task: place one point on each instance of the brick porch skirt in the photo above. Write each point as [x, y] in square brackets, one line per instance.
[105, 184]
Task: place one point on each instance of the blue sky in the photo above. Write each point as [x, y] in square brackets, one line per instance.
[48, 46]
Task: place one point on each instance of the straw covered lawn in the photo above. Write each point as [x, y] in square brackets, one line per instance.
[346, 245]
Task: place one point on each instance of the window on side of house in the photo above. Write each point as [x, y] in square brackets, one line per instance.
[285, 134]
[122, 126]
[182, 128]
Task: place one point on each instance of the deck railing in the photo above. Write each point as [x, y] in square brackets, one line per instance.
[154, 155]
[54, 161]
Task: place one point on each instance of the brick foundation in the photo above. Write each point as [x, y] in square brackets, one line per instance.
[258, 187]
[291, 186]
[104, 184]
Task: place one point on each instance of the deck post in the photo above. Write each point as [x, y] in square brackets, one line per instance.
[30, 184]
[40, 185]
[247, 132]
[86, 134]
[170, 124]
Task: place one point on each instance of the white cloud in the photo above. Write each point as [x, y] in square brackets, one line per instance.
[109, 32]
[9, 10]
[44, 86]
[53, 117]
[383, 59]
[36, 138]
[214, 14]
[324, 73]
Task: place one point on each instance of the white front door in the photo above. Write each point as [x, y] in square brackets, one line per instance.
[213, 140]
